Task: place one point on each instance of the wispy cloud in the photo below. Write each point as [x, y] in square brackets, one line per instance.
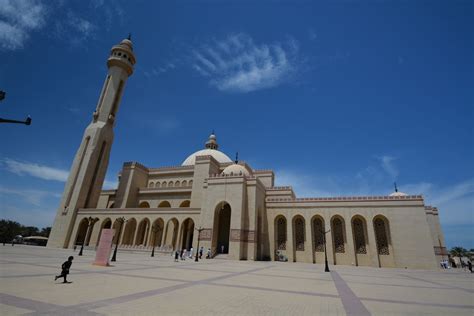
[23, 168]
[18, 18]
[388, 166]
[238, 64]
[34, 197]
[35, 170]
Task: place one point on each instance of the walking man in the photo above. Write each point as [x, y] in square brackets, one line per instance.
[65, 269]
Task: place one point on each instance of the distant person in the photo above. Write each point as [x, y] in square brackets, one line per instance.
[191, 253]
[201, 250]
[184, 255]
[181, 254]
[176, 256]
[222, 249]
[65, 269]
[208, 256]
[469, 265]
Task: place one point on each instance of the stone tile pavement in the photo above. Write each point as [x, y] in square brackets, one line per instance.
[140, 285]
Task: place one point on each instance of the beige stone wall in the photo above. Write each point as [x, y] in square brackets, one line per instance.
[410, 243]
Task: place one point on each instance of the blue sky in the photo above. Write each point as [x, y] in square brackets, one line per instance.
[338, 98]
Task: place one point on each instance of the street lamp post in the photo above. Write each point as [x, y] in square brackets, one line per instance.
[26, 122]
[326, 266]
[199, 238]
[121, 220]
[91, 222]
[155, 228]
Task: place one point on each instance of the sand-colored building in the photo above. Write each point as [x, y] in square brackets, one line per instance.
[243, 215]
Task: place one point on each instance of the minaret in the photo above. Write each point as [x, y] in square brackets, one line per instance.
[92, 158]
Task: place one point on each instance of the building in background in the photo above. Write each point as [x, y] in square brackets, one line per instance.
[243, 215]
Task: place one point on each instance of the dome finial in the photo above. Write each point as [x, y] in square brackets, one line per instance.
[395, 184]
[212, 142]
[129, 36]
[237, 157]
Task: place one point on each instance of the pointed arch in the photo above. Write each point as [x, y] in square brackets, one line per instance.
[142, 232]
[382, 236]
[129, 232]
[280, 232]
[299, 232]
[184, 183]
[176, 184]
[81, 231]
[156, 234]
[221, 228]
[187, 233]
[171, 234]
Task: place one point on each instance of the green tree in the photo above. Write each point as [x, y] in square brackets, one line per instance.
[458, 252]
[29, 231]
[45, 231]
[9, 229]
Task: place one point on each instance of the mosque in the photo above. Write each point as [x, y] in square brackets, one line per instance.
[229, 207]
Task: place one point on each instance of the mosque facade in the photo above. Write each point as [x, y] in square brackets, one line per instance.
[229, 207]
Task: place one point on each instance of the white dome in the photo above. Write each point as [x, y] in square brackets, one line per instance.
[236, 170]
[398, 194]
[217, 155]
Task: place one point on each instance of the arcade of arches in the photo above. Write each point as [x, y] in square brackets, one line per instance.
[243, 216]
[240, 212]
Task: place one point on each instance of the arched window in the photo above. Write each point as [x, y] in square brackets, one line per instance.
[185, 203]
[338, 235]
[176, 184]
[170, 184]
[318, 227]
[381, 236]
[144, 205]
[163, 185]
[359, 236]
[184, 183]
[299, 234]
[190, 183]
[281, 233]
[151, 184]
[164, 204]
[157, 185]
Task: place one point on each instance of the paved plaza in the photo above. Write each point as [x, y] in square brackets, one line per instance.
[138, 284]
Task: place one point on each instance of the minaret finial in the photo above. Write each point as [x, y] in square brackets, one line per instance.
[213, 133]
[129, 36]
[237, 157]
[395, 184]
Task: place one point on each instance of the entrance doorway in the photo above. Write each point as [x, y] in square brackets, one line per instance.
[222, 229]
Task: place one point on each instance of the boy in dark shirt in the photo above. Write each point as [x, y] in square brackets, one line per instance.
[65, 269]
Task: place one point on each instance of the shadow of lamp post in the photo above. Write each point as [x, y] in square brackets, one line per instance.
[121, 220]
[26, 122]
[92, 221]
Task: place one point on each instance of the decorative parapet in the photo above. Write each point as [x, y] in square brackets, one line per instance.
[167, 189]
[134, 164]
[280, 188]
[137, 211]
[348, 198]
[219, 175]
[169, 168]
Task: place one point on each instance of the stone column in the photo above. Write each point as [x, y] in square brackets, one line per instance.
[290, 245]
[308, 243]
[350, 241]
[329, 241]
[374, 257]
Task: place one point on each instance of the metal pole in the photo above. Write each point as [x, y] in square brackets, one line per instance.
[87, 233]
[326, 266]
[199, 238]
[114, 257]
